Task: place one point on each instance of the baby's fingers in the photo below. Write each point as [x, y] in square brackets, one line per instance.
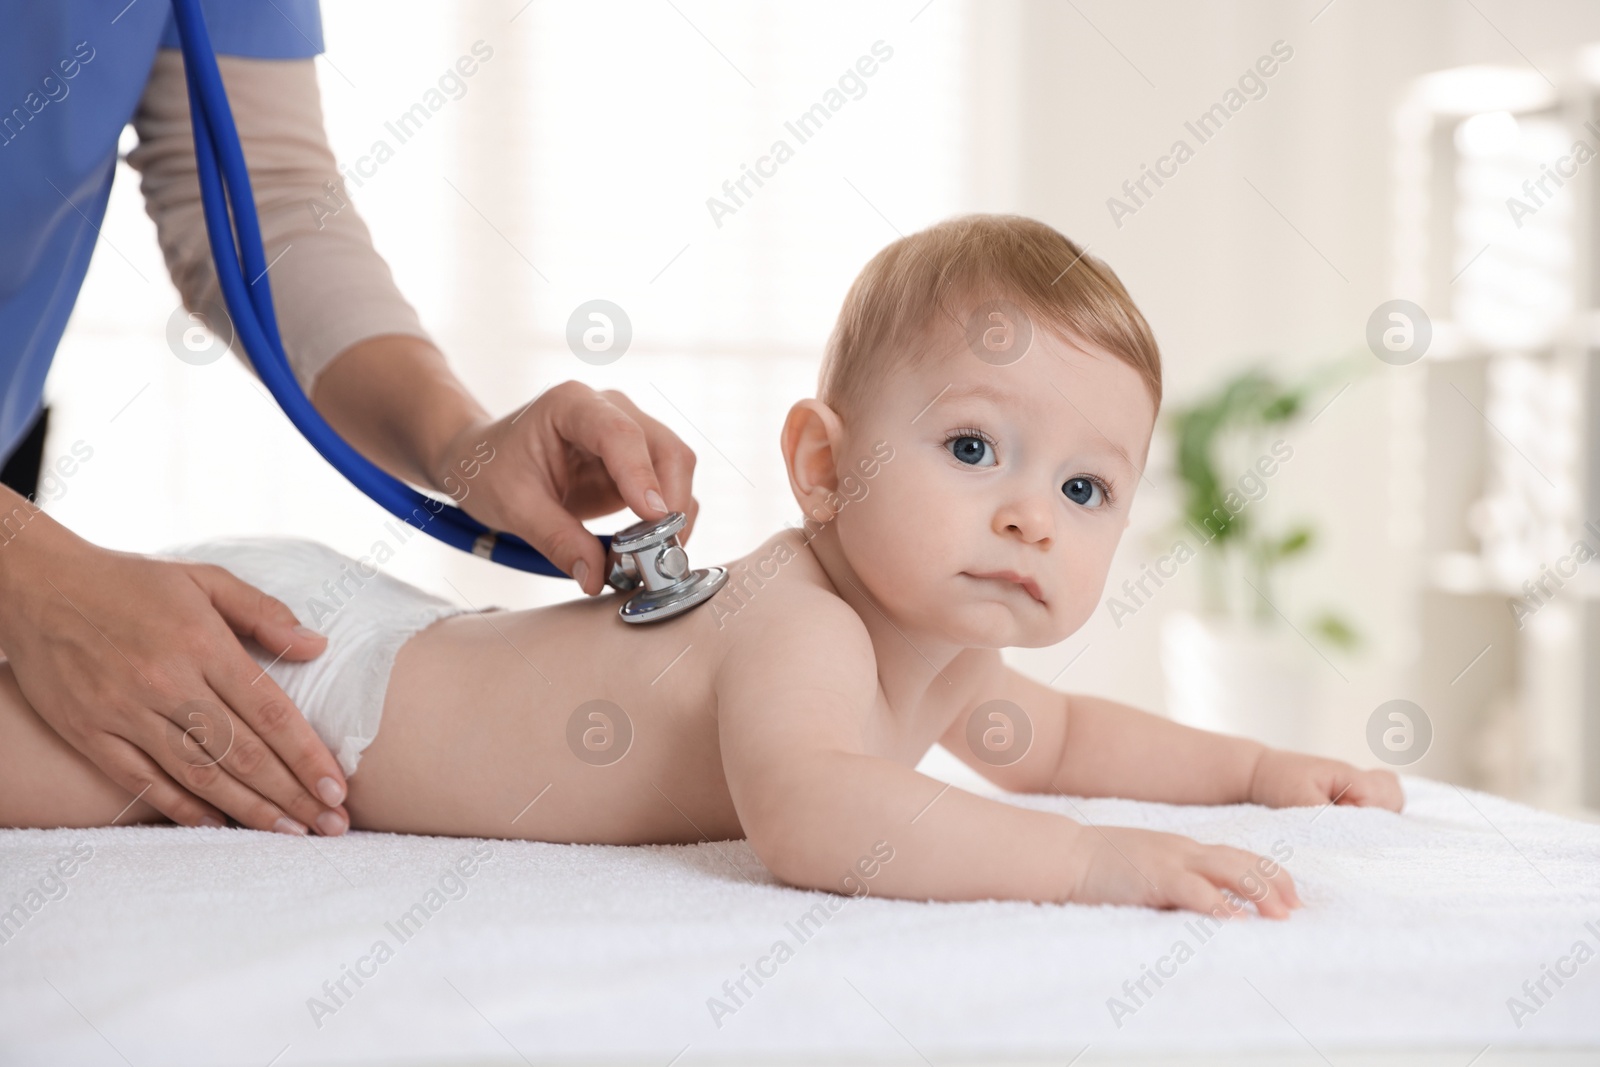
[1375, 789]
[1256, 879]
[1196, 893]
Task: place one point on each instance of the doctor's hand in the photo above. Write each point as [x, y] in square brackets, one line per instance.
[135, 662]
[572, 454]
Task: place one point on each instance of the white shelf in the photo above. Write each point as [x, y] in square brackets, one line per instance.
[1468, 574]
[1515, 334]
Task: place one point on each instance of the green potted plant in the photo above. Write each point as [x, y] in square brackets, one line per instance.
[1241, 663]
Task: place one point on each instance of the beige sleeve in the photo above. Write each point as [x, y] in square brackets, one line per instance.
[330, 287]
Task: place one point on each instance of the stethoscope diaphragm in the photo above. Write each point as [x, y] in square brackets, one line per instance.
[646, 560]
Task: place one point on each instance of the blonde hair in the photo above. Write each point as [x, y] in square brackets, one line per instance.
[947, 270]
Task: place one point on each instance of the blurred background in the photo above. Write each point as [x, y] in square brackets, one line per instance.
[1406, 584]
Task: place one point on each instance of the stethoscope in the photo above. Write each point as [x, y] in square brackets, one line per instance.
[645, 559]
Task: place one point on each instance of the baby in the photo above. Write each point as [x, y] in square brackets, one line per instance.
[985, 409]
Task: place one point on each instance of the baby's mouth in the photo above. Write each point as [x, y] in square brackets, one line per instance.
[1028, 585]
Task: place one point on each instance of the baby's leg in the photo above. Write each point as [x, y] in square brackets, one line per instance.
[45, 782]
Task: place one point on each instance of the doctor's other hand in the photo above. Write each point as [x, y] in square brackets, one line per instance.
[136, 663]
[572, 454]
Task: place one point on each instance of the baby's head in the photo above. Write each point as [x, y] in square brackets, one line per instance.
[1009, 454]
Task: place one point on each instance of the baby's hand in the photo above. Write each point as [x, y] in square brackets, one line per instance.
[1293, 780]
[1127, 866]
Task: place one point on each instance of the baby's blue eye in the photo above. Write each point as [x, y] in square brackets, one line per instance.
[971, 450]
[1083, 491]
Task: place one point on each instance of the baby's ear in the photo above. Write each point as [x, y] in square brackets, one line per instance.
[811, 434]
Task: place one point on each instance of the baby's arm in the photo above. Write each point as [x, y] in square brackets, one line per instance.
[796, 698]
[1088, 746]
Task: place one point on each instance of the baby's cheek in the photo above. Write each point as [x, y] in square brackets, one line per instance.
[1071, 613]
[880, 549]
[902, 518]
[1084, 572]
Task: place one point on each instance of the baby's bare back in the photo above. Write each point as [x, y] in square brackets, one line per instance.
[567, 724]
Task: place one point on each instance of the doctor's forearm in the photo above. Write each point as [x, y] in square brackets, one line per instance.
[395, 398]
[332, 290]
[24, 529]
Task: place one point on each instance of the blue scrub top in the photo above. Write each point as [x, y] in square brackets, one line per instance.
[71, 75]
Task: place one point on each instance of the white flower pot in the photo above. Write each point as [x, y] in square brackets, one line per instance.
[1239, 678]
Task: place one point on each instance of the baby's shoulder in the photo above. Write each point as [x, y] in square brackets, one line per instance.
[786, 635]
[779, 592]
[777, 577]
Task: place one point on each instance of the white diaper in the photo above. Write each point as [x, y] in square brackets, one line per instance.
[365, 614]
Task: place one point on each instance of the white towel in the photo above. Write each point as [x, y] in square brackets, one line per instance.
[190, 946]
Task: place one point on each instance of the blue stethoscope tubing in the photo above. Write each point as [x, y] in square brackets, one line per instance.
[225, 183]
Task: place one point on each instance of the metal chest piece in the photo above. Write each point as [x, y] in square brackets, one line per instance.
[646, 560]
